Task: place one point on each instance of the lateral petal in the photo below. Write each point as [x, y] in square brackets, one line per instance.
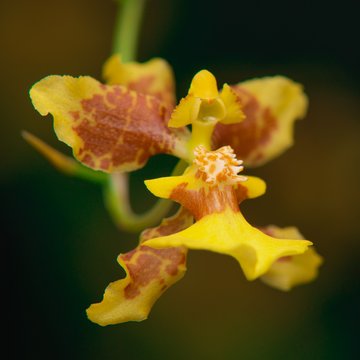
[149, 272]
[271, 106]
[109, 127]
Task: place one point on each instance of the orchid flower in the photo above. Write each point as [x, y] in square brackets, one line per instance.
[114, 128]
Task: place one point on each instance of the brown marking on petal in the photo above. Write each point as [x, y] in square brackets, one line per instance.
[252, 134]
[75, 115]
[285, 259]
[241, 192]
[105, 163]
[87, 159]
[145, 265]
[207, 200]
[145, 269]
[143, 84]
[121, 128]
[180, 221]
[147, 85]
[129, 255]
[131, 291]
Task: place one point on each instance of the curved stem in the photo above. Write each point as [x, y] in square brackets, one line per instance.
[116, 194]
[127, 28]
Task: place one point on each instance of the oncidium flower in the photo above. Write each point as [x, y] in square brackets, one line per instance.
[115, 128]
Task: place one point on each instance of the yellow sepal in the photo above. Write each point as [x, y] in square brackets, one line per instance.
[57, 95]
[62, 162]
[154, 77]
[131, 298]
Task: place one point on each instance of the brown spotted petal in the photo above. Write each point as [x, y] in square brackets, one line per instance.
[109, 127]
[154, 77]
[271, 106]
[149, 272]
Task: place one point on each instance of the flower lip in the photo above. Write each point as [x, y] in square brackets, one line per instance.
[219, 166]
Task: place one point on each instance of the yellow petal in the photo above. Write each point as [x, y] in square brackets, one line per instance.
[109, 128]
[154, 77]
[255, 187]
[271, 106]
[291, 271]
[186, 112]
[149, 272]
[229, 233]
[232, 103]
[204, 86]
[163, 187]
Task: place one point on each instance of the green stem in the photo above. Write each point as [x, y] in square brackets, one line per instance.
[116, 193]
[127, 28]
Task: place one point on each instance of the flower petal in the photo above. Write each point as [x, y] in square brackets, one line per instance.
[290, 271]
[186, 112]
[233, 105]
[110, 128]
[149, 272]
[271, 106]
[154, 77]
[229, 233]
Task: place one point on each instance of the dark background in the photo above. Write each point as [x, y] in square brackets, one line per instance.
[61, 246]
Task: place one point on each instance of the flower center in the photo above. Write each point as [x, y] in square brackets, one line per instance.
[219, 166]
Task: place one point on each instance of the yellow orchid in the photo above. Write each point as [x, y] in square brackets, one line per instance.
[116, 127]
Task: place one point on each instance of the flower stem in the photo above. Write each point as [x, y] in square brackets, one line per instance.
[127, 28]
[116, 194]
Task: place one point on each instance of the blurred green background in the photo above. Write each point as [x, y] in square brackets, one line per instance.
[61, 246]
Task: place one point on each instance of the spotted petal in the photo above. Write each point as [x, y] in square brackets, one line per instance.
[271, 106]
[154, 77]
[109, 127]
[149, 272]
[291, 271]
